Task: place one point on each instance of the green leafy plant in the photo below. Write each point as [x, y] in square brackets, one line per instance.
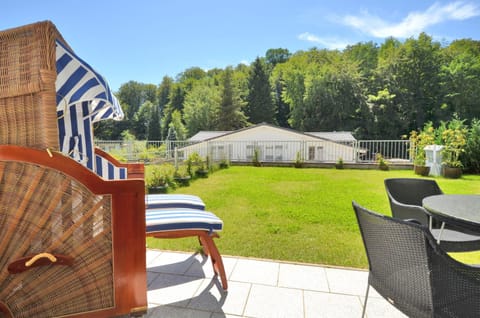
[256, 158]
[182, 175]
[224, 163]
[455, 140]
[339, 163]
[298, 160]
[472, 148]
[382, 163]
[418, 142]
[159, 177]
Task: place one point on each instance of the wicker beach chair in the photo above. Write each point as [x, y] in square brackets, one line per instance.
[72, 242]
[79, 105]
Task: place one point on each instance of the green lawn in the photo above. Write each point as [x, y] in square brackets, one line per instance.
[300, 215]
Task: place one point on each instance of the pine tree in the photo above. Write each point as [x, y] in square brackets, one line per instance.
[231, 116]
[154, 125]
[260, 107]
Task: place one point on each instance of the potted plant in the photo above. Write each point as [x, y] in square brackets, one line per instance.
[157, 180]
[202, 170]
[454, 139]
[224, 164]
[418, 142]
[182, 176]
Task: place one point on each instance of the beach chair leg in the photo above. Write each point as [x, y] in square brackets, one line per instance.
[204, 245]
[216, 258]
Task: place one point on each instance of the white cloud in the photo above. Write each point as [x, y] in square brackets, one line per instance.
[414, 22]
[329, 43]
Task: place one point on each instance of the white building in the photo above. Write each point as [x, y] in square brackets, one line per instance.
[272, 143]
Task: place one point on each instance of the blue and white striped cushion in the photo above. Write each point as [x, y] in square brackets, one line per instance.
[108, 170]
[158, 220]
[162, 201]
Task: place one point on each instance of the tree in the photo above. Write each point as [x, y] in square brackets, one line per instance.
[231, 116]
[154, 131]
[292, 75]
[134, 94]
[176, 129]
[461, 78]
[275, 56]
[141, 120]
[177, 96]
[260, 107]
[163, 93]
[366, 55]
[418, 77]
[283, 110]
[201, 107]
[386, 123]
[333, 96]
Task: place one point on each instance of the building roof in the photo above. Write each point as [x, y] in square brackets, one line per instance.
[333, 136]
[206, 135]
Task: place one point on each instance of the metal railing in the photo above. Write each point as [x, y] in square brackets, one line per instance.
[360, 151]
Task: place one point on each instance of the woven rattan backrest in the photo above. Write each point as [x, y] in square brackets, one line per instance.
[411, 190]
[27, 86]
[45, 211]
[398, 261]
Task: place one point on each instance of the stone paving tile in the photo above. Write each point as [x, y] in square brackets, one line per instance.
[327, 305]
[274, 302]
[254, 271]
[172, 289]
[344, 281]
[303, 277]
[183, 285]
[176, 312]
[174, 263]
[212, 297]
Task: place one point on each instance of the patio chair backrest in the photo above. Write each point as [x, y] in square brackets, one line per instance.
[399, 267]
[405, 196]
[411, 190]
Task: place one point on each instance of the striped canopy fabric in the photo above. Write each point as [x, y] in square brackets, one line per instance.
[78, 82]
[83, 97]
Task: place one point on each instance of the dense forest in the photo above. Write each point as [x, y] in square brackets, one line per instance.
[375, 91]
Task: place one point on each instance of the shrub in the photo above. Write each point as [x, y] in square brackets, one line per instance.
[454, 139]
[298, 160]
[419, 140]
[471, 157]
[382, 163]
[256, 158]
[339, 163]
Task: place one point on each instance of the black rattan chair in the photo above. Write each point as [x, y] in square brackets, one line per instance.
[405, 196]
[410, 270]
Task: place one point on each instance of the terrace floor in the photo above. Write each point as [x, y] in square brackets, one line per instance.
[183, 285]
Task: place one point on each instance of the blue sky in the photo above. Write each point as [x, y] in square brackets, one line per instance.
[144, 40]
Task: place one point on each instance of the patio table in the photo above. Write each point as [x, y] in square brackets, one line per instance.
[462, 210]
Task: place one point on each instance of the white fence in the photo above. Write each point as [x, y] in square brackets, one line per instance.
[361, 151]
